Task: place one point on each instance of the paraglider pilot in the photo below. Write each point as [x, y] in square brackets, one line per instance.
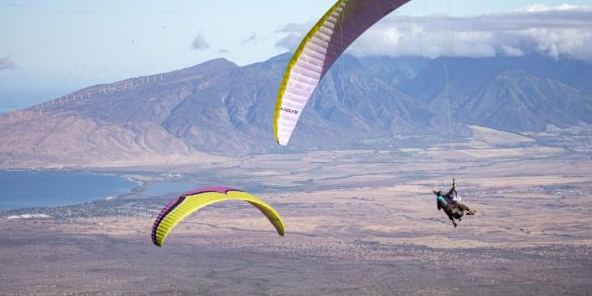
[450, 202]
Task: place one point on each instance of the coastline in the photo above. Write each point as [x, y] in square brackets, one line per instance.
[50, 200]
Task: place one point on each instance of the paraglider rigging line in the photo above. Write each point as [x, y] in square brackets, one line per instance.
[448, 112]
[342, 74]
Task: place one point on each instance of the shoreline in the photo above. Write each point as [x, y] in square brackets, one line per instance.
[137, 187]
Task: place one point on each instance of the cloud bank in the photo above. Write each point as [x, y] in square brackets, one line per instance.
[561, 31]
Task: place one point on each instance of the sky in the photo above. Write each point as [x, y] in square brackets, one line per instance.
[51, 48]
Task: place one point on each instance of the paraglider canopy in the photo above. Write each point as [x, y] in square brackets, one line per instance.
[191, 201]
[326, 41]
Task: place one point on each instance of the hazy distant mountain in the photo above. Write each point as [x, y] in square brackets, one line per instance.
[512, 94]
[221, 108]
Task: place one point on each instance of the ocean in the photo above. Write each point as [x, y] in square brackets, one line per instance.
[25, 189]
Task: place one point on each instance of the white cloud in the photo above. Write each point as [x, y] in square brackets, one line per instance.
[200, 43]
[544, 7]
[294, 34]
[251, 39]
[559, 31]
[290, 42]
[6, 63]
[511, 51]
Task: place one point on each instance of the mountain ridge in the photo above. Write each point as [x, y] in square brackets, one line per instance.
[217, 108]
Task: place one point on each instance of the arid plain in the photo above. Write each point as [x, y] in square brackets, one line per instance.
[358, 222]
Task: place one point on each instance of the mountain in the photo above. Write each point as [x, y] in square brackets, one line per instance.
[512, 94]
[218, 109]
[530, 103]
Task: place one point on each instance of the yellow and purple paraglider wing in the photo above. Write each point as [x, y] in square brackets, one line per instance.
[189, 202]
[325, 42]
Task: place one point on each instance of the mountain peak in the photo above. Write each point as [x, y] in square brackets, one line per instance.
[284, 57]
[218, 64]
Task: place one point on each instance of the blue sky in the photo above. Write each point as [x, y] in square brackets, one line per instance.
[50, 48]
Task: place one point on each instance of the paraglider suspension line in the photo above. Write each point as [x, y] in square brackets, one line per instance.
[448, 112]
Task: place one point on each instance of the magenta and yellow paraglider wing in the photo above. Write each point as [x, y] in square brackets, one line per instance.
[189, 202]
[326, 41]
